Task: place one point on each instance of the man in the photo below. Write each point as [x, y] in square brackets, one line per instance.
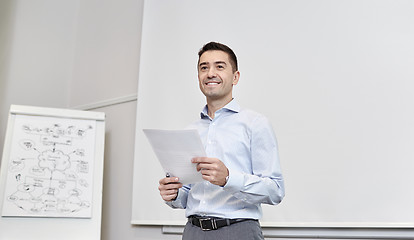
[242, 169]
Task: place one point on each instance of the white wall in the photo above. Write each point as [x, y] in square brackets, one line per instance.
[107, 50]
[71, 53]
[6, 11]
[36, 53]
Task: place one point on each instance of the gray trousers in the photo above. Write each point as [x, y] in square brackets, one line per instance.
[246, 230]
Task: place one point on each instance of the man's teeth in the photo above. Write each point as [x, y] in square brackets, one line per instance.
[211, 83]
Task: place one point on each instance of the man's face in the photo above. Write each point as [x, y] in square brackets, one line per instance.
[215, 75]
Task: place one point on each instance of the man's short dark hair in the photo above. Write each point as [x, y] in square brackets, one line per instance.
[215, 46]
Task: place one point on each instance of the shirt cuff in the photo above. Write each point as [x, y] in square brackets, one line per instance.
[235, 182]
[177, 203]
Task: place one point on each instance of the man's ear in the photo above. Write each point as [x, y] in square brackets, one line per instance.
[236, 77]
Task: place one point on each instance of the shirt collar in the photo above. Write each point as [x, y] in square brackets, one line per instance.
[232, 106]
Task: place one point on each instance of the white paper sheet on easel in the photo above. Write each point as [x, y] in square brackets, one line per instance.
[175, 149]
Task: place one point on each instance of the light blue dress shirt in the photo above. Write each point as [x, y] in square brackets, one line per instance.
[245, 142]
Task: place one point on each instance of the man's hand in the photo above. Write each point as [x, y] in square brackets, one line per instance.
[169, 188]
[212, 170]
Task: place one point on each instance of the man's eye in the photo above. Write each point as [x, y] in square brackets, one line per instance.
[220, 66]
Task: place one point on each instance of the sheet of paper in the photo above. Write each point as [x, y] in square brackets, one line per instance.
[175, 149]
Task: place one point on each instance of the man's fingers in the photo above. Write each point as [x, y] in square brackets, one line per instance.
[168, 180]
[208, 173]
[207, 166]
[169, 197]
[201, 166]
[170, 192]
[170, 186]
[204, 160]
[197, 160]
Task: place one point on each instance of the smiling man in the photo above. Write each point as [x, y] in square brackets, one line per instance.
[242, 170]
[217, 75]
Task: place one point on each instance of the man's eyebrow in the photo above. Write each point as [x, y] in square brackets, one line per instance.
[218, 62]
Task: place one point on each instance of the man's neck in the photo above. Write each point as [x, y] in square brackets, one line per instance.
[213, 106]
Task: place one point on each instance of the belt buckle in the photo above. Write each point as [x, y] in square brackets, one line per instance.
[205, 227]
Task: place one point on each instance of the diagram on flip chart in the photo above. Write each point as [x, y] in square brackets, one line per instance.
[50, 169]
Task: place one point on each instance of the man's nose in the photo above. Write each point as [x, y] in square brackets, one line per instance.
[212, 73]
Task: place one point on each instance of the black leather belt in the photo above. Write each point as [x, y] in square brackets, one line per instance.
[210, 223]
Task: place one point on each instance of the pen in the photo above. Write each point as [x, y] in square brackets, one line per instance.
[168, 175]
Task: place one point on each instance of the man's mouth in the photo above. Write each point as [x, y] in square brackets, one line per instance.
[212, 83]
